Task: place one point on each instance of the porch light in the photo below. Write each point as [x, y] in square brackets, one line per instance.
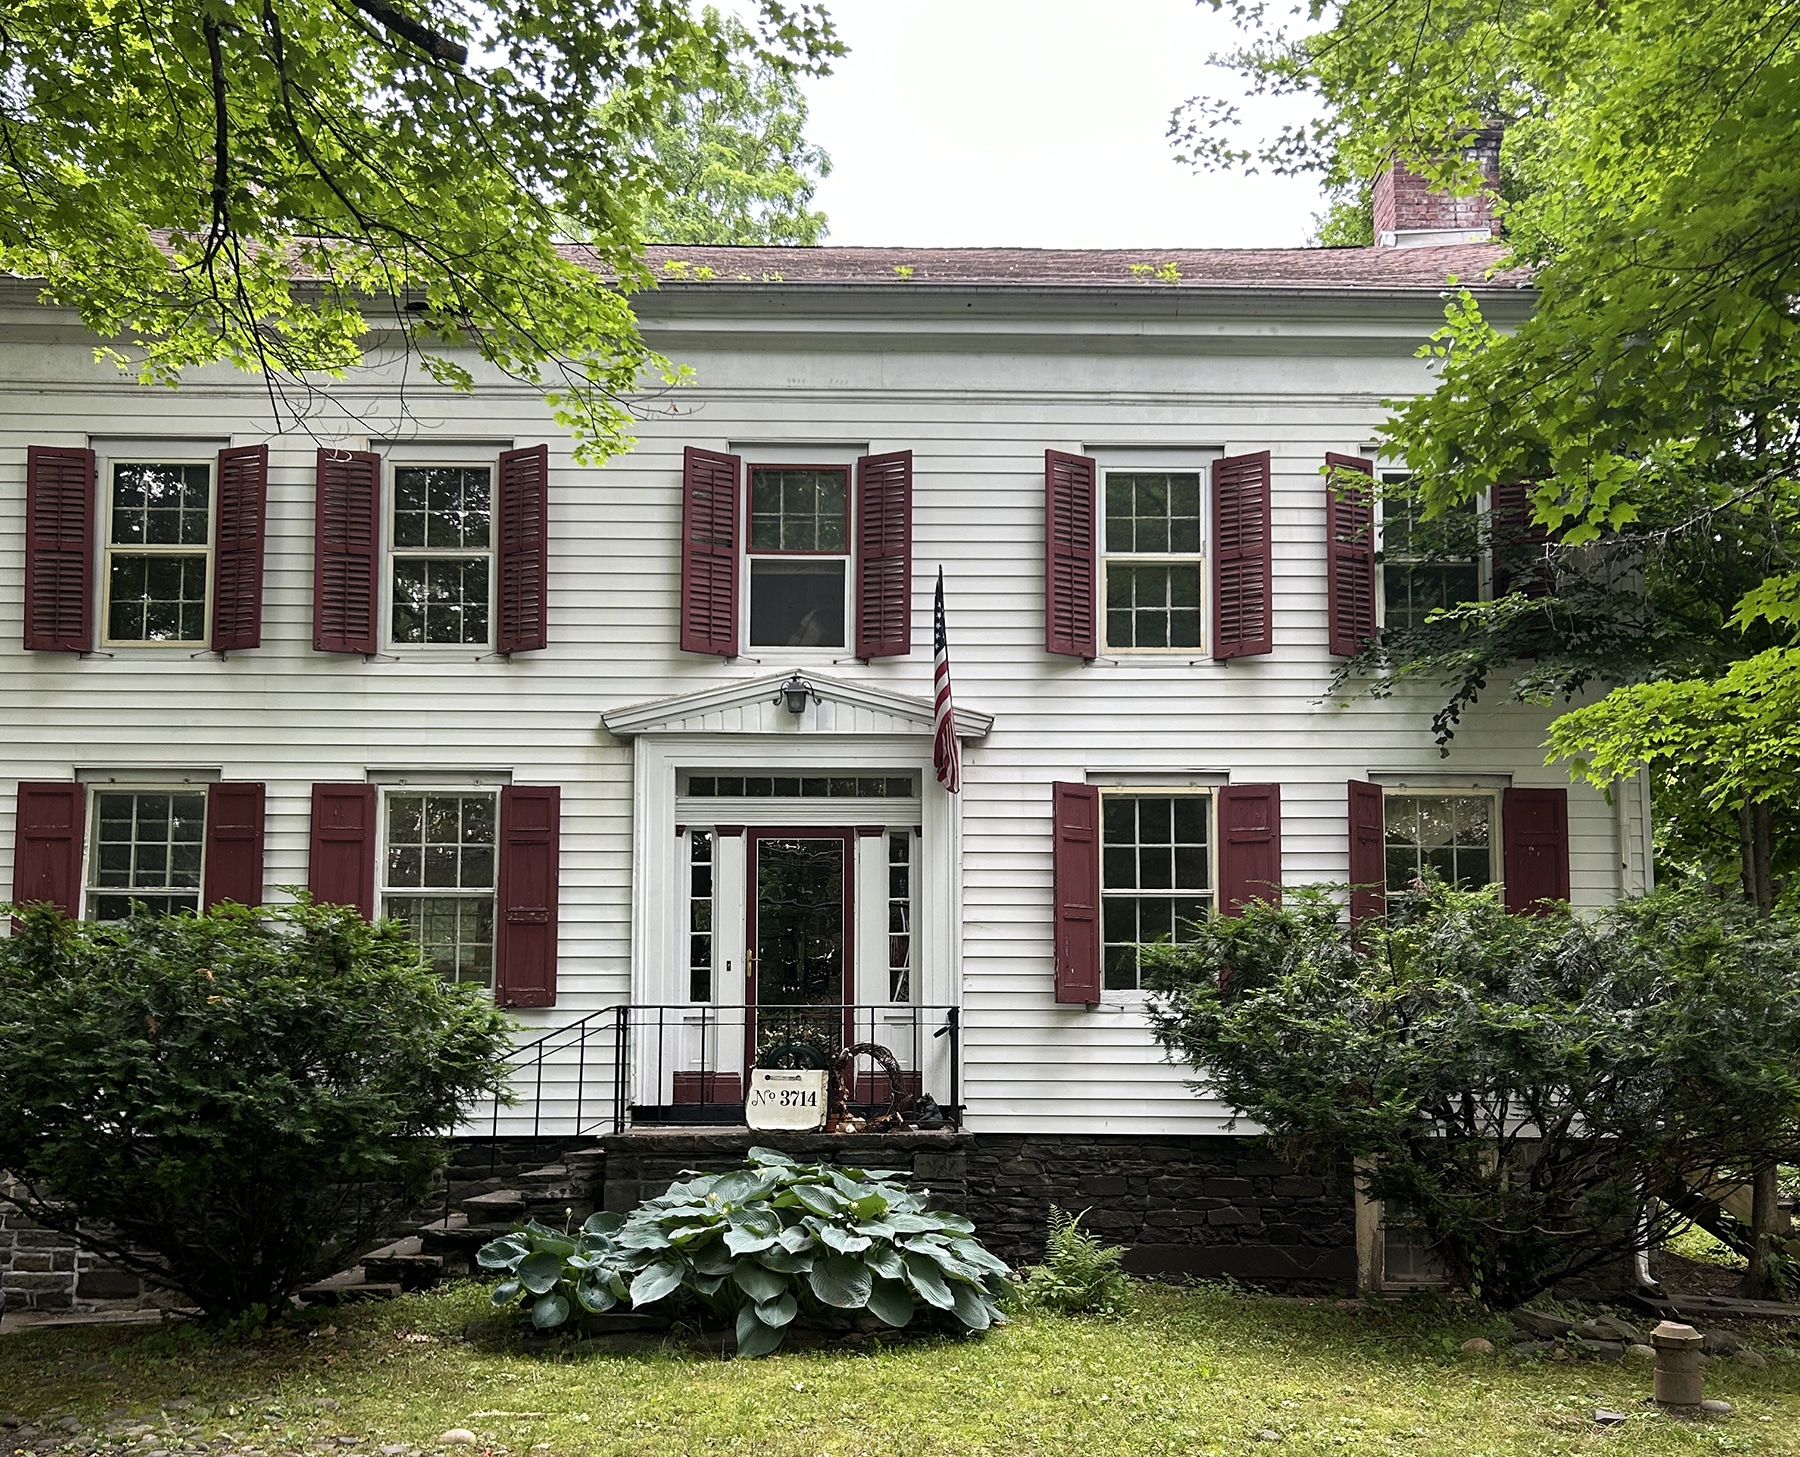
[794, 694]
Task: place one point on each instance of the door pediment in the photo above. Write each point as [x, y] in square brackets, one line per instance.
[755, 706]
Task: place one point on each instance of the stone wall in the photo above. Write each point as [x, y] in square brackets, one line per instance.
[45, 1270]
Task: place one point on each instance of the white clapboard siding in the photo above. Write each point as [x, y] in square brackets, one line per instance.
[977, 388]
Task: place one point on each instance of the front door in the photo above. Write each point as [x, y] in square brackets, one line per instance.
[799, 978]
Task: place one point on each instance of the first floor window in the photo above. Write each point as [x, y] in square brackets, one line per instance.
[1450, 834]
[438, 875]
[147, 846]
[700, 915]
[158, 552]
[441, 554]
[900, 915]
[1155, 876]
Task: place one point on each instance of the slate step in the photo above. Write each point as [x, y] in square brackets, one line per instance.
[346, 1287]
[405, 1264]
[500, 1209]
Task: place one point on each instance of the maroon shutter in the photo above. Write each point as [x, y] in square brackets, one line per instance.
[1243, 571]
[59, 550]
[884, 555]
[1076, 873]
[1519, 541]
[1368, 852]
[523, 513]
[47, 845]
[1535, 826]
[525, 946]
[234, 844]
[709, 552]
[1350, 538]
[1069, 527]
[1249, 845]
[341, 870]
[346, 552]
[238, 556]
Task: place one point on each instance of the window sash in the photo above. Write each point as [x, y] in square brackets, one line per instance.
[1115, 975]
[163, 895]
[388, 892]
[751, 472]
[1197, 558]
[462, 555]
[197, 551]
[1420, 853]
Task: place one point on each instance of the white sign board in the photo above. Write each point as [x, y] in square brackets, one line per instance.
[786, 1098]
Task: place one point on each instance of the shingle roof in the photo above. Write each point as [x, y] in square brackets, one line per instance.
[1285, 268]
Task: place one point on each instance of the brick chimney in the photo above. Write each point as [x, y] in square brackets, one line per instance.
[1409, 214]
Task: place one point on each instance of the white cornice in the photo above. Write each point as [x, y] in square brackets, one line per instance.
[664, 714]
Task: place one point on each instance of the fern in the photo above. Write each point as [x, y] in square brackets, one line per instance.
[1079, 1276]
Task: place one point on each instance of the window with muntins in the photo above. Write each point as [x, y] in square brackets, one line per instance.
[1422, 566]
[799, 548]
[1451, 834]
[437, 867]
[145, 845]
[1156, 876]
[442, 555]
[158, 552]
[1154, 571]
[700, 915]
[900, 915]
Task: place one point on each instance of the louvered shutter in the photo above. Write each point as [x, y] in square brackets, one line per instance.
[523, 513]
[234, 844]
[1535, 831]
[1350, 538]
[238, 553]
[884, 555]
[525, 943]
[341, 867]
[1249, 845]
[1076, 809]
[59, 550]
[1070, 622]
[347, 552]
[1243, 572]
[1520, 561]
[47, 845]
[1368, 852]
[709, 552]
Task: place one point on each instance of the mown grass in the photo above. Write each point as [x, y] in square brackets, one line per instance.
[1189, 1372]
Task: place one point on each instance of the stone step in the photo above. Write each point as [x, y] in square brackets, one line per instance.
[551, 1176]
[347, 1286]
[500, 1209]
[404, 1263]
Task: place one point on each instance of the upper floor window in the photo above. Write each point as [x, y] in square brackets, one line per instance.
[158, 552]
[1156, 876]
[1451, 834]
[1154, 571]
[442, 555]
[145, 845]
[1425, 565]
[799, 564]
[438, 875]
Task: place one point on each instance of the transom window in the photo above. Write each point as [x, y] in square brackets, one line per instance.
[812, 786]
[158, 552]
[1154, 570]
[438, 875]
[1451, 834]
[1425, 565]
[1155, 876]
[799, 555]
[442, 556]
[146, 845]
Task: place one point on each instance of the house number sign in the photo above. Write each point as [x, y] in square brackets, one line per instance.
[786, 1098]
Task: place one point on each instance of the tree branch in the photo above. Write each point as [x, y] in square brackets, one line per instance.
[438, 47]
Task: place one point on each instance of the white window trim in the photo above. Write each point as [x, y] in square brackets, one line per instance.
[1136, 996]
[90, 844]
[383, 890]
[180, 457]
[1496, 830]
[822, 652]
[391, 555]
[1201, 558]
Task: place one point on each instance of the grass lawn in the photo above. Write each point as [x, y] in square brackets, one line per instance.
[1191, 1372]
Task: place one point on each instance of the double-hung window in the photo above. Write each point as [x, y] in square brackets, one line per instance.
[441, 562]
[438, 866]
[1154, 568]
[158, 552]
[1452, 835]
[145, 845]
[799, 556]
[1425, 565]
[1156, 875]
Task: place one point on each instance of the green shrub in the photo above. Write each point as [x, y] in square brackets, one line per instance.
[1079, 1276]
[766, 1245]
[231, 1104]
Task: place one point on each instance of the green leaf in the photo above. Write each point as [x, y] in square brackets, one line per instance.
[550, 1310]
[592, 1294]
[869, 1206]
[886, 1262]
[840, 1281]
[779, 1311]
[541, 1271]
[972, 1308]
[747, 1242]
[821, 1201]
[501, 1254]
[796, 1239]
[709, 1285]
[923, 1274]
[654, 1282]
[506, 1292]
[603, 1222]
[753, 1337]
[780, 1260]
[758, 1283]
[891, 1302]
[913, 1223]
[769, 1158]
[845, 1243]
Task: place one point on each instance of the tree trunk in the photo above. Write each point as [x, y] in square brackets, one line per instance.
[1756, 848]
[1759, 1283]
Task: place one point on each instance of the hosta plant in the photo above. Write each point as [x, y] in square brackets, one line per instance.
[763, 1246]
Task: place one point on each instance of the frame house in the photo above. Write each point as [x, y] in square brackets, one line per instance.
[647, 748]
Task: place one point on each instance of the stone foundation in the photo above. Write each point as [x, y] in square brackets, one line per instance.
[45, 1270]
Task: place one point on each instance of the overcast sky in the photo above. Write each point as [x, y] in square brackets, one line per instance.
[1033, 122]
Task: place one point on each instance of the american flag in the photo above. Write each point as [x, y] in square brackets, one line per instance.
[946, 753]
